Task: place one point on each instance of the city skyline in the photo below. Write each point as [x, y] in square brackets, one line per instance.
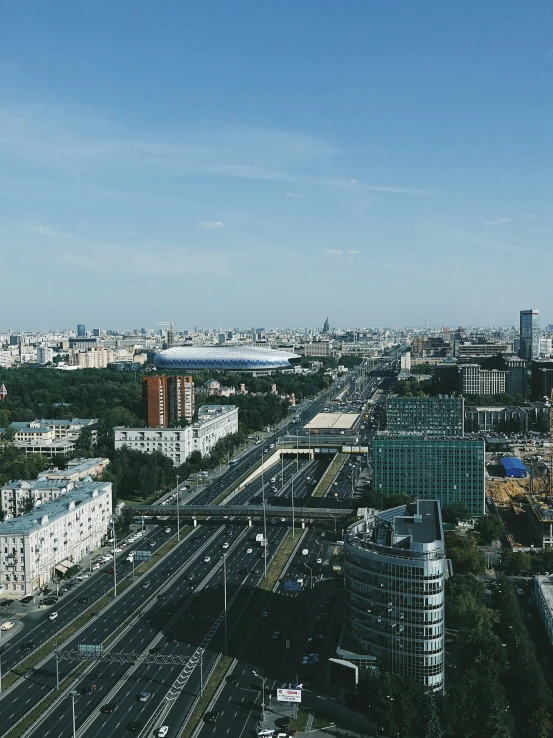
[390, 160]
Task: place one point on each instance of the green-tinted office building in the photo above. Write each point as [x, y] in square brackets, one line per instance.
[446, 469]
[440, 416]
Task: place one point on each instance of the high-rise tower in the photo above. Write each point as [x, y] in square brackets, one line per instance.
[529, 334]
[167, 399]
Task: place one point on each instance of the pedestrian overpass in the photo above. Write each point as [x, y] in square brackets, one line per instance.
[306, 514]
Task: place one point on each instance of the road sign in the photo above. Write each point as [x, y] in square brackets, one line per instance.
[142, 555]
[289, 695]
[292, 587]
[89, 648]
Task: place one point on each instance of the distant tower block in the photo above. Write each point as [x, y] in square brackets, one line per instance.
[326, 327]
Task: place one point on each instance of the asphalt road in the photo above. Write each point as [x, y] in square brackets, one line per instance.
[294, 616]
[196, 613]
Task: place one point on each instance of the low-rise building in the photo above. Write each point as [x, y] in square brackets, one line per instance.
[51, 437]
[53, 537]
[77, 469]
[214, 422]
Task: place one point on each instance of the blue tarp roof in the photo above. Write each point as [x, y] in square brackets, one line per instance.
[512, 462]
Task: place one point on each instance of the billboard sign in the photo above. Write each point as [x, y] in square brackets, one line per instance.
[89, 648]
[292, 586]
[142, 555]
[289, 695]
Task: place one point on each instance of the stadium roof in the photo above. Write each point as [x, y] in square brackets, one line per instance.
[229, 358]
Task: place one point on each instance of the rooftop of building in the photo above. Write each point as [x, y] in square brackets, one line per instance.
[75, 466]
[338, 421]
[50, 511]
[415, 527]
[40, 483]
[384, 435]
[546, 586]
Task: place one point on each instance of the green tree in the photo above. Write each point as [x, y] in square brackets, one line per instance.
[464, 555]
[488, 528]
[456, 513]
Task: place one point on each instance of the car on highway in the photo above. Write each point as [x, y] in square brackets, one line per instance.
[249, 550]
[28, 646]
[135, 726]
[153, 543]
[276, 635]
[520, 591]
[162, 732]
[84, 599]
[53, 616]
[87, 691]
[212, 716]
[110, 707]
[319, 561]
[232, 679]
[207, 559]
[167, 530]
[145, 585]
[144, 696]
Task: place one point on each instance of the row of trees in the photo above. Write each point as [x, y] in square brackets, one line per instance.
[525, 564]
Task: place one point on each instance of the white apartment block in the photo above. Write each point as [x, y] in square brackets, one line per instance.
[99, 357]
[44, 355]
[53, 537]
[477, 381]
[214, 422]
[6, 359]
[20, 496]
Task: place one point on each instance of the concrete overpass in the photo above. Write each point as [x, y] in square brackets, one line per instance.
[242, 511]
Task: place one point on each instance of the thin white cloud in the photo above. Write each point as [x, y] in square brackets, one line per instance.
[527, 216]
[353, 251]
[210, 224]
[295, 195]
[497, 221]
[353, 181]
[44, 230]
[334, 252]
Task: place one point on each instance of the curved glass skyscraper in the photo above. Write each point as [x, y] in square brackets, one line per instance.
[394, 566]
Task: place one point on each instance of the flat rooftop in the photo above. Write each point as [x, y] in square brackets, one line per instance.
[336, 421]
[546, 586]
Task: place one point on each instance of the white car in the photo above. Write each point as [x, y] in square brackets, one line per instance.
[117, 550]
[319, 561]
[249, 550]
[52, 616]
[7, 626]
[167, 530]
[207, 559]
[162, 732]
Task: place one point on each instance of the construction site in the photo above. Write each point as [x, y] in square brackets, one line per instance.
[526, 504]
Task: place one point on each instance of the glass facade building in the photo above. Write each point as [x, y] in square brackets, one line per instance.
[529, 334]
[446, 469]
[434, 416]
[394, 571]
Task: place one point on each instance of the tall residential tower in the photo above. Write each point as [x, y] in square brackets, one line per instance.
[167, 399]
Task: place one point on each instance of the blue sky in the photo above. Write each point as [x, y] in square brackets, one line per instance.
[271, 163]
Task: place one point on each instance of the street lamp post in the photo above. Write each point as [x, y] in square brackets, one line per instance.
[225, 593]
[178, 511]
[73, 694]
[263, 680]
[114, 557]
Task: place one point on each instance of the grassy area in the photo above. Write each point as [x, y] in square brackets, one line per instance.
[239, 634]
[209, 691]
[328, 477]
[300, 722]
[320, 721]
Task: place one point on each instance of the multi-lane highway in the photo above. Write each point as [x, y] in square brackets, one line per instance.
[184, 611]
[177, 623]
